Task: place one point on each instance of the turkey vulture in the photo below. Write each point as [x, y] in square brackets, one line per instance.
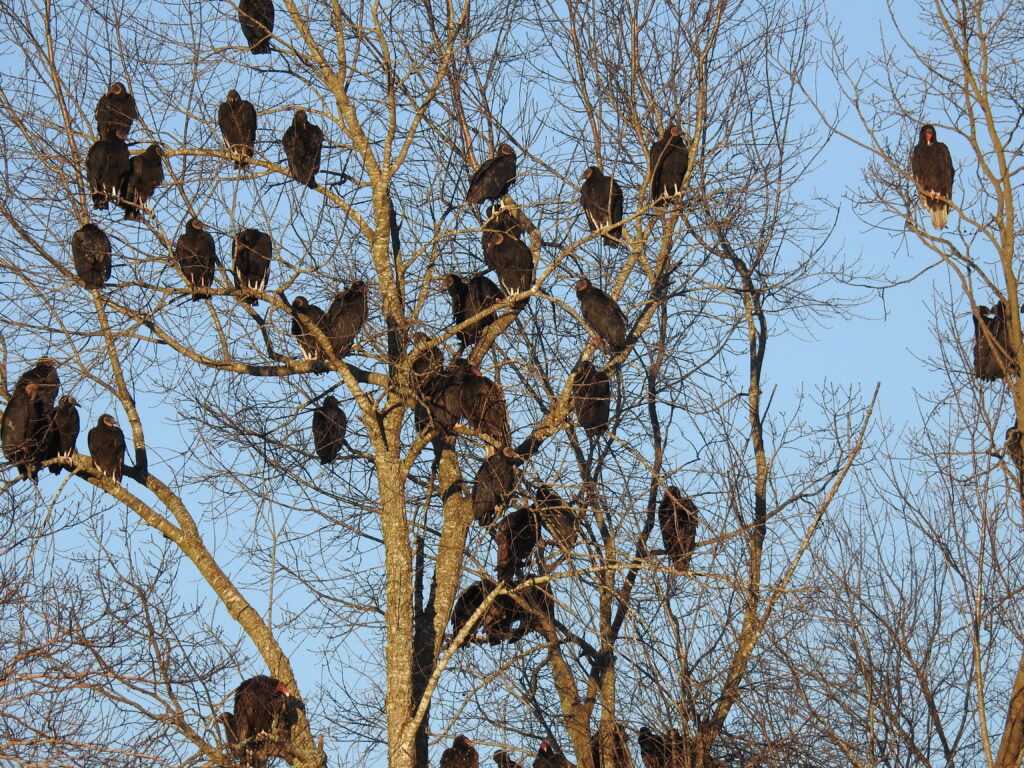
[107, 447]
[253, 252]
[28, 419]
[602, 314]
[591, 398]
[933, 171]
[501, 220]
[482, 403]
[468, 602]
[494, 177]
[115, 112]
[261, 717]
[329, 424]
[504, 761]
[441, 407]
[557, 517]
[107, 165]
[196, 253]
[670, 157]
[138, 186]
[548, 758]
[468, 300]
[516, 536]
[1015, 448]
[992, 353]
[461, 754]
[511, 260]
[497, 620]
[662, 750]
[257, 20]
[302, 144]
[494, 484]
[65, 426]
[601, 197]
[345, 318]
[237, 120]
[677, 516]
[90, 253]
[306, 319]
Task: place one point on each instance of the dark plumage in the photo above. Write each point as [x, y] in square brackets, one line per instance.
[90, 252]
[107, 447]
[329, 424]
[65, 428]
[670, 157]
[494, 484]
[196, 253]
[467, 603]
[602, 314]
[345, 318]
[548, 758]
[257, 20]
[26, 430]
[557, 517]
[253, 253]
[601, 197]
[534, 607]
[116, 111]
[441, 406]
[933, 171]
[1015, 449]
[461, 754]
[237, 120]
[992, 353]
[511, 260]
[504, 761]
[677, 516]
[261, 717]
[591, 398]
[468, 299]
[667, 750]
[516, 535]
[616, 747]
[306, 320]
[145, 175]
[501, 220]
[482, 403]
[107, 165]
[426, 364]
[494, 177]
[303, 142]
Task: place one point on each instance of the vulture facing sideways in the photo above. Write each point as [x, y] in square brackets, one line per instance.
[548, 758]
[237, 120]
[107, 166]
[253, 253]
[591, 398]
[516, 535]
[329, 425]
[494, 176]
[461, 754]
[345, 318]
[677, 516]
[196, 254]
[116, 111]
[482, 403]
[511, 260]
[670, 157]
[90, 253]
[264, 714]
[933, 171]
[601, 197]
[468, 300]
[107, 447]
[602, 314]
[144, 175]
[257, 20]
[65, 429]
[306, 319]
[303, 143]
[992, 353]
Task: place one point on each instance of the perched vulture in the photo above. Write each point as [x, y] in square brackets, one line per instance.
[28, 419]
[261, 717]
[115, 112]
[667, 750]
[516, 535]
[90, 253]
[64, 430]
[670, 157]
[44, 376]
[601, 197]
[253, 253]
[557, 517]
[441, 408]
[138, 186]
[511, 260]
[196, 253]
[677, 516]
[237, 120]
[257, 20]
[461, 754]
[469, 299]
[992, 353]
[933, 171]
[302, 144]
[467, 603]
[329, 424]
[494, 177]
[107, 166]
[616, 747]
[591, 398]
[426, 364]
[602, 314]
[548, 758]
[532, 605]
[1015, 449]
[107, 447]
[494, 484]
[482, 403]
[306, 319]
[345, 318]
[504, 761]
[501, 220]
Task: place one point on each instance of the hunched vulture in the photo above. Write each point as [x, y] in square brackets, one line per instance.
[27, 424]
[494, 176]
[501, 219]
[469, 299]
[461, 754]
[933, 171]
[90, 253]
[441, 406]
[548, 758]
[253, 253]
[992, 353]
[237, 120]
[257, 20]
[616, 747]
[196, 254]
[504, 761]
[670, 157]
[65, 428]
[303, 142]
[602, 314]
[107, 447]
[662, 750]
[426, 364]
[482, 403]
[329, 424]
[107, 165]
[306, 320]
[601, 197]
[116, 111]
[345, 318]
[516, 535]
[511, 260]
[677, 516]
[261, 717]
[494, 484]
[591, 398]
[467, 603]
[557, 517]
[144, 176]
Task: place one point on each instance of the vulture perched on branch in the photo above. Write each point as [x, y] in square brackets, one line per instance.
[303, 143]
[107, 166]
[602, 314]
[677, 516]
[196, 254]
[345, 318]
[461, 754]
[107, 447]
[116, 111]
[257, 20]
[548, 758]
[329, 424]
[265, 712]
[516, 535]
[253, 253]
[601, 197]
[557, 517]
[306, 320]
[494, 484]
[591, 398]
[468, 300]
[237, 120]
[992, 353]
[511, 260]
[90, 253]
[670, 157]
[27, 424]
[933, 171]
[145, 174]
[482, 403]
[494, 177]
[64, 431]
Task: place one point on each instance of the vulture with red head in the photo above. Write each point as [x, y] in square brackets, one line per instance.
[482, 403]
[461, 754]
[196, 254]
[601, 197]
[548, 758]
[90, 253]
[303, 143]
[494, 176]
[116, 111]
[253, 253]
[263, 716]
[933, 171]
[237, 120]
[257, 20]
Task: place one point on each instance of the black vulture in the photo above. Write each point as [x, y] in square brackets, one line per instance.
[504, 761]
[253, 253]
[933, 171]
[306, 319]
[670, 157]
[346, 317]
[260, 717]
[257, 20]
[461, 754]
[516, 535]
[329, 424]
[107, 165]
[116, 111]
[237, 120]
[482, 403]
[591, 398]
[992, 353]
[602, 314]
[494, 484]
[302, 144]
[468, 300]
[65, 429]
[548, 758]
[677, 516]
[557, 517]
[494, 176]
[602, 201]
[107, 447]
[90, 253]
[500, 219]
[27, 424]
[196, 253]
[145, 175]
[511, 260]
